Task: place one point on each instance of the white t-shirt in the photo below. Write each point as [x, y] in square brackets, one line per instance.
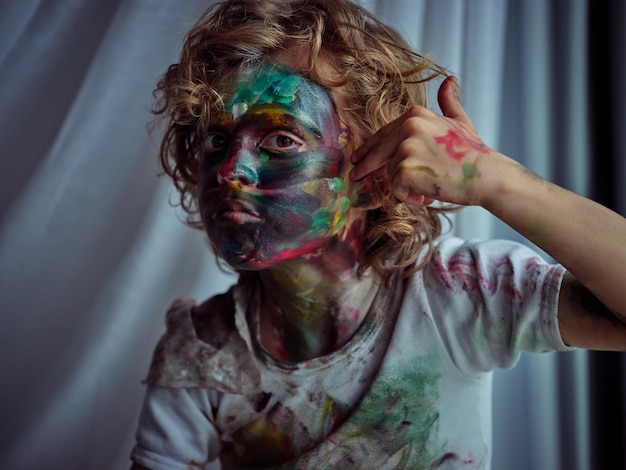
[410, 390]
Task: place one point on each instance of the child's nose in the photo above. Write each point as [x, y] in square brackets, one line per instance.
[240, 170]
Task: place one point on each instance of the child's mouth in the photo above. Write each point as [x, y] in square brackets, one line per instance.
[229, 211]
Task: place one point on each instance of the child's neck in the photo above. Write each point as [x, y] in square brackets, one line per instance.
[312, 307]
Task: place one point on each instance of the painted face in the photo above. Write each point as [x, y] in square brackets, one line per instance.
[272, 181]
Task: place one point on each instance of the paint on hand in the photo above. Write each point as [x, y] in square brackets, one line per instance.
[470, 172]
[458, 146]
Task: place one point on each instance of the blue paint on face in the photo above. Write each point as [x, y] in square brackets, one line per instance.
[272, 180]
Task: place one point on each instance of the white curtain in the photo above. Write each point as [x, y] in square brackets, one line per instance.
[92, 253]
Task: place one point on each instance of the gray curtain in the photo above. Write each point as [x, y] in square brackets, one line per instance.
[92, 253]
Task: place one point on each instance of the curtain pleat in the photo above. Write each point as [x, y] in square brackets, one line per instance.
[607, 103]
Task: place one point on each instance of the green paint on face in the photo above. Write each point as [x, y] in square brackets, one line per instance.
[324, 220]
[277, 86]
[279, 151]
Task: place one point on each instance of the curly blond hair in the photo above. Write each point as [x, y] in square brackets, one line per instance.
[362, 61]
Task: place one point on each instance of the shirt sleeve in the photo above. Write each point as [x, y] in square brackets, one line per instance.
[175, 430]
[493, 299]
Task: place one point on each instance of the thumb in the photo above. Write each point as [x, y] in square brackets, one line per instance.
[449, 102]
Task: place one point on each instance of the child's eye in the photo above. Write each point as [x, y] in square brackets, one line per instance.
[281, 141]
[214, 142]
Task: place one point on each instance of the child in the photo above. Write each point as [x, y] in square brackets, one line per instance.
[356, 337]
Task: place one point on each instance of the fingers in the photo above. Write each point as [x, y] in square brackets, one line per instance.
[388, 130]
[449, 102]
[372, 142]
[413, 199]
[396, 157]
[379, 148]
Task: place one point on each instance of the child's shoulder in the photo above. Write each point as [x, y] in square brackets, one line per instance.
[211, 321]
[202, 348]
[214, 319]
[455, 247]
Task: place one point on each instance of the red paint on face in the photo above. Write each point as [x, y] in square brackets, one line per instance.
[272, 171]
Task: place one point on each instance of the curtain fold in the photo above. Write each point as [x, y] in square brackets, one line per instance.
[41, 70]
[607, 131]
[92, 253]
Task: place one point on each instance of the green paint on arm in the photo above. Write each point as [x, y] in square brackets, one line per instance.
[470, 172]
